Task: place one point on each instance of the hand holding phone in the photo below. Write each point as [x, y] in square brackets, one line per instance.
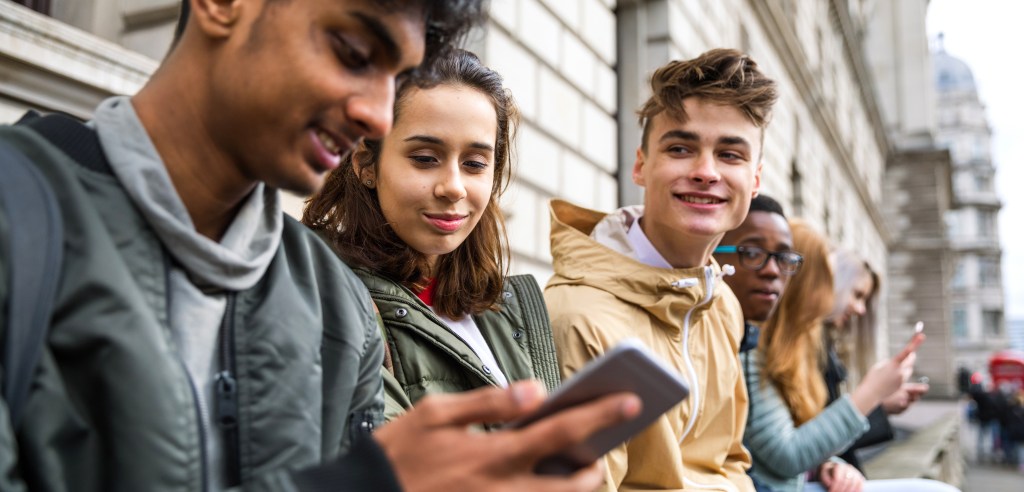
[916, 339]
[630, 368]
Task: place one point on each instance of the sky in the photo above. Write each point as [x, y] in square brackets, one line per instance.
[986, 34]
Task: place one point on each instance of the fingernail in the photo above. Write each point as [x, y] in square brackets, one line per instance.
[526, 393]
[631, 406]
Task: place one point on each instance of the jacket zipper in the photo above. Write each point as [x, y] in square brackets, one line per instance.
[203, 479]
[709, 287]
[226, 389]
[709, 284]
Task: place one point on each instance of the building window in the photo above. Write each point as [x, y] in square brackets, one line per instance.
[959, 323]
[979, 151]
[986, 224]
[988, 272]
[41, 6]
[959, 275]
[952, 223]
[992, 322]
[983, 182]
[796, 184]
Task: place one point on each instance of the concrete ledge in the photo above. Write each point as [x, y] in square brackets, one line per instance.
[930, 452]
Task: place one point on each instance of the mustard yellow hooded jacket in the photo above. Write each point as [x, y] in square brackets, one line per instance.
[689, 317]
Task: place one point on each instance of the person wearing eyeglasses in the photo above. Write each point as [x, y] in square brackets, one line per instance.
[762, 247]
[790, 430]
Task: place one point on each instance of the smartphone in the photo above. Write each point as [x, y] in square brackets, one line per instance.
[629, 367]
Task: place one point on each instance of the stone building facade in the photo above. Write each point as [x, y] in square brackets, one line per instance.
[976, 286]
[578, 69]
[918, 190]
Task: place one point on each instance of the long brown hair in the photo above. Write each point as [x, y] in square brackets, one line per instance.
[348, 214]
[790, 343]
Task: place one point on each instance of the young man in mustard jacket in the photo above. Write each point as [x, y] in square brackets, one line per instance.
[647, 271]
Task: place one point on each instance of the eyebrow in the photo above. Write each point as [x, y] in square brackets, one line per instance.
[382, 33]
[694, 137]
[680, 134]
[437, 141]
[782, 248]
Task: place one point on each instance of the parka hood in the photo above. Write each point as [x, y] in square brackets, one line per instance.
[591, 248]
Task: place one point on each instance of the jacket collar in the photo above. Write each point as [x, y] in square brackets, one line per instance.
[606, 263]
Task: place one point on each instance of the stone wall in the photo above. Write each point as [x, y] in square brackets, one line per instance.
[918, 192]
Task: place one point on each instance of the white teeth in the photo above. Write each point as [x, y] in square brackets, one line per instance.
[694, 199]
[328, 142]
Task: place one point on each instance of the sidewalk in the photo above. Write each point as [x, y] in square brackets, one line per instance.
[980, 477]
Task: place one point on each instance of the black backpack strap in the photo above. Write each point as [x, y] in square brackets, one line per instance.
[538, 328]
[71, 136]
[35, 245]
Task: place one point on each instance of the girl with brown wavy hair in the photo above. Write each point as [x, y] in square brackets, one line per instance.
[417, 216]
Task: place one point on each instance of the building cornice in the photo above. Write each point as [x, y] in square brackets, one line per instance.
[854, 47]
[782, 32]
[55, 66]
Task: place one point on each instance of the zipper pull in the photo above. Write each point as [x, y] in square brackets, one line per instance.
[227, 400]
[363, 426]
[684, 283]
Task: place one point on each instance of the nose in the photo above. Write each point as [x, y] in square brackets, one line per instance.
[771, 268]
[705, 171]
[371, 110]
[856, 308]
[449, 183]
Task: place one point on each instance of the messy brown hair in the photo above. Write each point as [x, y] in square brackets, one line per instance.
[349, 216]
[791, 340]
[721, 76]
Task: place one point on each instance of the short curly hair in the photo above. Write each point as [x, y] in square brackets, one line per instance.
[722, 76]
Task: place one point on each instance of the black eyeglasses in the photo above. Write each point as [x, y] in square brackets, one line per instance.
[755, 258]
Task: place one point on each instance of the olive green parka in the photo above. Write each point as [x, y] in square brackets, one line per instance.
[423, 356]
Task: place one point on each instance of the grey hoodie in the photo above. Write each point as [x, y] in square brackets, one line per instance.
[203, 270]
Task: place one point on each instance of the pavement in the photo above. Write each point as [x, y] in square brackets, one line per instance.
[983, 474]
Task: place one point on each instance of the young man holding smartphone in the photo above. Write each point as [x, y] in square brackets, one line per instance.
[647, 272]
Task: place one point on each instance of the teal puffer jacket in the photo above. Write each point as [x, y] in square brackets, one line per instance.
[425, 357]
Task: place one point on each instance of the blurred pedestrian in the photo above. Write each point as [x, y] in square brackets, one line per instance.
[985, 418]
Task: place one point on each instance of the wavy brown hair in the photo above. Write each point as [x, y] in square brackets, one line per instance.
[348, 214]
[721, 76]
[790, 344]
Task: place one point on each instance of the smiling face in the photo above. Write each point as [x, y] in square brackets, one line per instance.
[758, 291]
[856, 301]
[436, 172]
[699, 176]
[296, 84]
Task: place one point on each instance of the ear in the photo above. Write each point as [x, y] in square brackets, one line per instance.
[367, 174]
[757, 179]
[638, 167]
[217, 18]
